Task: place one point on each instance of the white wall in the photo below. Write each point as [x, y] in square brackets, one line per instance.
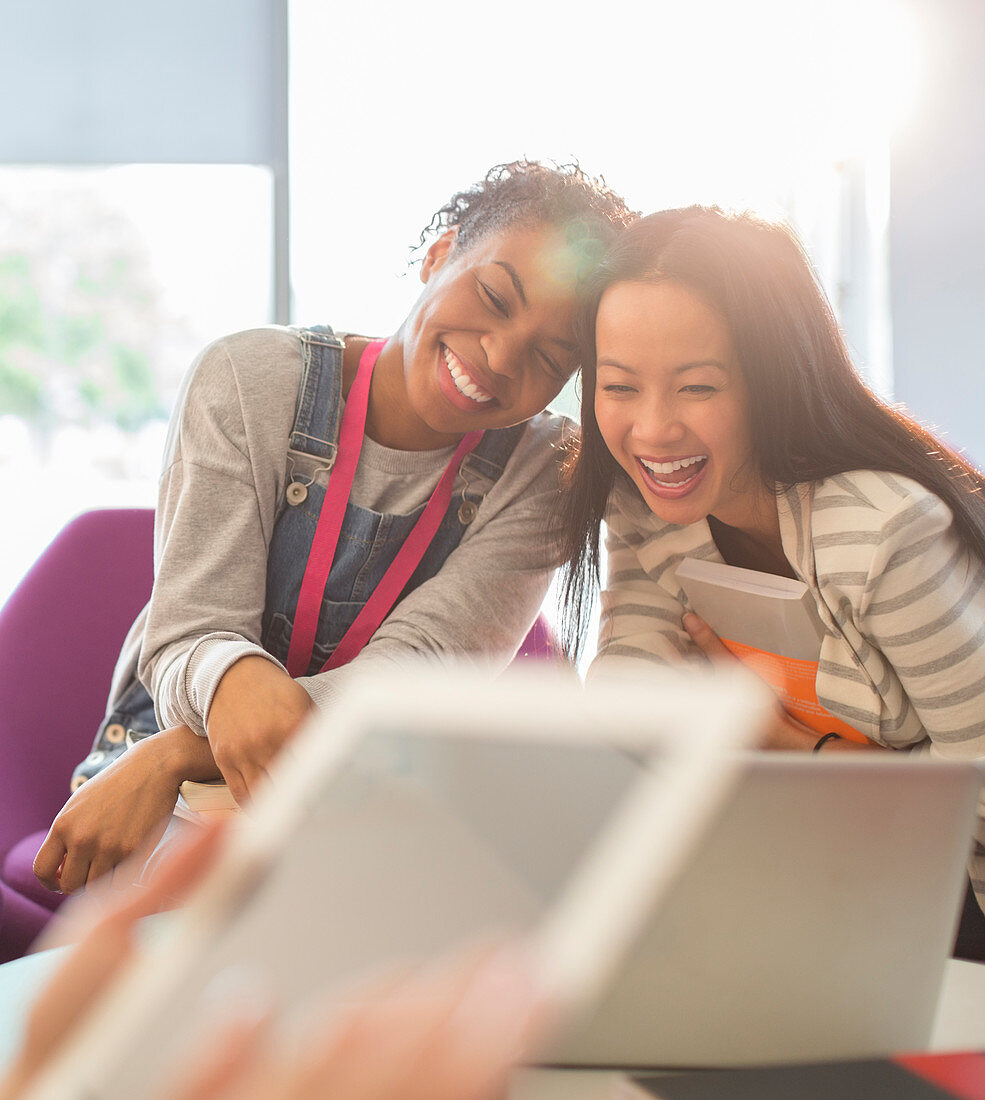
[183, 81]
[937, 234]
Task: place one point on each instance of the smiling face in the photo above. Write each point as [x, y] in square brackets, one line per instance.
[671, 405]
[488, 344]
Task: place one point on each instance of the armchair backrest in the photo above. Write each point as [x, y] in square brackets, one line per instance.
[60, 634]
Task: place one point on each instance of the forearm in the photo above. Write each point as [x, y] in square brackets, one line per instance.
[640, 612]
[256, 709]
[639, 623]
[181, 754]
[122, 809]
[185, 679]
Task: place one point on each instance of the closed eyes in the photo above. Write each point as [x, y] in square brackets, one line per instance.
[494, 300]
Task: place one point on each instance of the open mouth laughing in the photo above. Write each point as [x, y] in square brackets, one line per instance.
[673, 477]
[464, 383]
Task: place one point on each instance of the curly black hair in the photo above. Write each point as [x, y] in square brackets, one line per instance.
[528, 193]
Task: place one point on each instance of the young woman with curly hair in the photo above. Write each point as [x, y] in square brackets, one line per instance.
[332, 502]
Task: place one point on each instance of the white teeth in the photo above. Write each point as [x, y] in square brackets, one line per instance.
[672, 467]
[463, 382]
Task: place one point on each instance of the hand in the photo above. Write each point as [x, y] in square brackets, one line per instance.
[104, 947]
[121, 810]
[784, 732]
[255, 709]
[452, 1031]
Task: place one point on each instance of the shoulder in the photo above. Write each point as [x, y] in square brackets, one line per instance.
[247, 374]
[520, 473]
[538, 452]
[242, 390]
[876, 503]
[547, 430]
[872, 529]
[256, 359]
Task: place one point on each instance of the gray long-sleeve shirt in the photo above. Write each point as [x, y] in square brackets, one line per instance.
[226, 468]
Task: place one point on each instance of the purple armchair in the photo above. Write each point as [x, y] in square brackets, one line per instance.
[60, 634]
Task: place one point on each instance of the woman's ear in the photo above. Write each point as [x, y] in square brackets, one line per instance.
[438, 253]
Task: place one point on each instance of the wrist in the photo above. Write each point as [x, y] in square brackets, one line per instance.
[825, 739]
[180, 754]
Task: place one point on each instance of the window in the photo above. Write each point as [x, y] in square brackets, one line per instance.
[111, 279]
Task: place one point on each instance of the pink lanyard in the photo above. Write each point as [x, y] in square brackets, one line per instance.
[329, 527]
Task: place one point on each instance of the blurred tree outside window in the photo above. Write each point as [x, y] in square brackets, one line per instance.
[81, 318]
[111, 280]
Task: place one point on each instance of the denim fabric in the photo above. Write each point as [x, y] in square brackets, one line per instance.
[134, 711]
[367, 545]
[369, 540]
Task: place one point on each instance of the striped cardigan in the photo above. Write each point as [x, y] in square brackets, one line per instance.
[902, 598]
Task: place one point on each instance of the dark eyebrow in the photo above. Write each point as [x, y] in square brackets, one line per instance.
[566, 344]
[701, 363]
[677, 370]
[514, 279]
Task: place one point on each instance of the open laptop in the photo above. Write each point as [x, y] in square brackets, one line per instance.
[814, 921]
[422, 811]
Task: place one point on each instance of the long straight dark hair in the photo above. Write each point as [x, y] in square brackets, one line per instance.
[811, 415]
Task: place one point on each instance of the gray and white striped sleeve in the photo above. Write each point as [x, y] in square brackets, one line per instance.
[923, 608]
[640, 620]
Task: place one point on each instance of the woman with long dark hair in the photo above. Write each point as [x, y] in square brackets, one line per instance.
[723, 419]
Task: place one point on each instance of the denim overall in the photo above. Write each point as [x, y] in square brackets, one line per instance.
[367, 545]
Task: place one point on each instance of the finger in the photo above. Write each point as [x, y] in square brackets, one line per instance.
[75, 869]
[255, 777]
[234, 780]
[400, 1039]
[169, 883]
[48, 861]
[360, 1046]
[706, 639]
[85, 972]
[231, 1059]
[179, 872]
[99, 879]
[501, 1016]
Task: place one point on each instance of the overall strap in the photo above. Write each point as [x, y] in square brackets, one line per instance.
[493, 452]
[329, 528]
[488, 460]
[320, 392]
[388, 591]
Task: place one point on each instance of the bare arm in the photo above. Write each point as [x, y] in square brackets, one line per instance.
[122, 810]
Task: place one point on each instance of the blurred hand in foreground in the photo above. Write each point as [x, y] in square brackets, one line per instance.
[452, 1030]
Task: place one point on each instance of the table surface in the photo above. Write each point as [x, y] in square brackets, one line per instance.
[960, 1025]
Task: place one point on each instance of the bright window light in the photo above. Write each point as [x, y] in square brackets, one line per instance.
[111, 280]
